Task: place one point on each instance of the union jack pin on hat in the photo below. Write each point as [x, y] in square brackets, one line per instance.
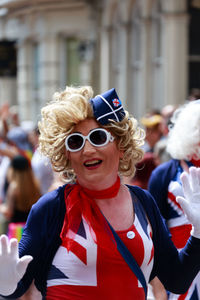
[107, 106]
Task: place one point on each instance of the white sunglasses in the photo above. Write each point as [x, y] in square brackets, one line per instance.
[97, 137]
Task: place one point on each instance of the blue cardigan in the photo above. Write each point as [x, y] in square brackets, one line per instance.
[41, 239]
[159, 182]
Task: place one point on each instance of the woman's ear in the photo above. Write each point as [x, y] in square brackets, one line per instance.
[121, 154]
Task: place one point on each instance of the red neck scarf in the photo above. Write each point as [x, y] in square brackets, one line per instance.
[196, 163]
[81, 202]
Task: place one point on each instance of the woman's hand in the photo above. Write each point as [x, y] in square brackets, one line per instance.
[191, 203]
[12, 268]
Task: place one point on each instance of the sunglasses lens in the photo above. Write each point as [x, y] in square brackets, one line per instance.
[75, 142]
[98, 137]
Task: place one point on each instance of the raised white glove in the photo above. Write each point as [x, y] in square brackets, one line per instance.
[12, 268]
[191, 203]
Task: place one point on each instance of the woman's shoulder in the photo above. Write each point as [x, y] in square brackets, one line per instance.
[147, 203]
[140, 193]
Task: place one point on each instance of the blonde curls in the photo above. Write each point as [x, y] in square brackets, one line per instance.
[129, 138]
[67, 109]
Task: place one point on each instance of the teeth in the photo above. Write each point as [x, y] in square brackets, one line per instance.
[92, 162]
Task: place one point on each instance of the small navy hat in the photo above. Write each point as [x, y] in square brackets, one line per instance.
[107, 106]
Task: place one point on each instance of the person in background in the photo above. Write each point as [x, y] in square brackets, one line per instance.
[143, 171]
[183, 145]
[40, 164]
[14, 143]
[160, 147]
[23, 190]
[194, 94]
[153, 127]
[9, 118]
[152, 123]
[18, 138]
[94, 237]
[166, 113]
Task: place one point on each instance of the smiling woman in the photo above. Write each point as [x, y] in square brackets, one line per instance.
[94, 237]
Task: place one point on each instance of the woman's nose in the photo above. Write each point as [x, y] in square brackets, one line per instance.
[88, 148]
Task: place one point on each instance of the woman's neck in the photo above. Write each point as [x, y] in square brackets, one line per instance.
[106, 193]
[118, 210]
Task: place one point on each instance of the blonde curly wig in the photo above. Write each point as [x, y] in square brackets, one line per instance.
[67, 109]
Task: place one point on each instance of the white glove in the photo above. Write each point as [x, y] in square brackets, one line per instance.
[12, 268]
[191, 203]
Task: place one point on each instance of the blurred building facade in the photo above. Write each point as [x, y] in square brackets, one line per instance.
[149, 50]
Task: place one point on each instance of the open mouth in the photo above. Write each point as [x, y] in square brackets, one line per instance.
[92, 163]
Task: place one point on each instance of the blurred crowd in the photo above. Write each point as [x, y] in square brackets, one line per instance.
[25, 174]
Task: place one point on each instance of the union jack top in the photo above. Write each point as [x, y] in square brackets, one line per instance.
[89, 272]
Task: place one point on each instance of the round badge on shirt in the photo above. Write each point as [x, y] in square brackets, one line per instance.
[130, 235]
